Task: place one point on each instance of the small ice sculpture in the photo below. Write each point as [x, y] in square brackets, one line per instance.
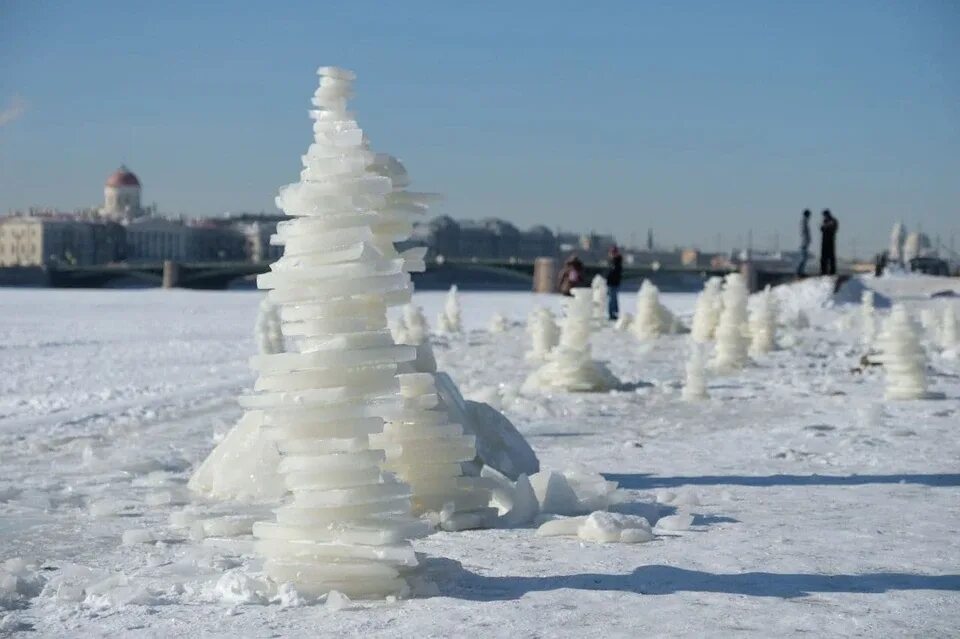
[570, 366]
[448, 321]
[600, 299]
[347, 526]
[498, 323]
[426, 450]
[763, 324]
[544, 334]
[653, 318]
[949, 328]
[412, 329]
[904, 361]
[732, 338]
[706, 313]
[695, 387]
[624, 321]
[868, 323]
[267, 329]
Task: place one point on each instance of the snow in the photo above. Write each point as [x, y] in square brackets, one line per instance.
[818, 508]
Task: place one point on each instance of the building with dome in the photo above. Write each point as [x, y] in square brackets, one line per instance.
[121, 196]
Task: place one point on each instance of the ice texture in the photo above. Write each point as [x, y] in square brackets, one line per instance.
[600, 292]
[868, 323]
[653, 318]
[902, 355]
[600, 527]
[706, 313]
[243, 466]
[763, 323]
[949, 328]
[544, 334]
[347, 525]
[695, 386]
[570, 366]
[732, 336]
[267, 329]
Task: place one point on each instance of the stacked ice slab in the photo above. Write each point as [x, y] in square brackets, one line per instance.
[732, 336]
[903, 357]
[706, 314]
[426, 450]
[347, 526]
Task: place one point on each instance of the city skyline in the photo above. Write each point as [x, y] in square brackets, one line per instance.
[700, 122]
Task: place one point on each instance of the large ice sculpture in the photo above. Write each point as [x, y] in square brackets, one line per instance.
[347, 526]
[570, 366]
[706, 313]
[544, 334]
[267, 329]
[732, 339]
[763, 324]
[448, 321]
[695, 387]
[904, 361]
[653, 318]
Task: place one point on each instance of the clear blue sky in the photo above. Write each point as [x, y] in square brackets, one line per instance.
[695, 118]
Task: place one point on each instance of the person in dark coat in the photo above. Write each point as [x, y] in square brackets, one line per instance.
[804, 244]
[571, 276]
[828, 244]
[614, 276]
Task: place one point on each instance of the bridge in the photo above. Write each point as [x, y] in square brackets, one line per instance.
[467, 274]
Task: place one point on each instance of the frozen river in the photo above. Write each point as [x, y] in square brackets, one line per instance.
[821, 510]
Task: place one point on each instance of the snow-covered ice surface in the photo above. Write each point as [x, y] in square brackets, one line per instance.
[818, 508]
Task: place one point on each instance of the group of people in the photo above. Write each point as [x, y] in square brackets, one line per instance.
[572, 276]
[828, 243]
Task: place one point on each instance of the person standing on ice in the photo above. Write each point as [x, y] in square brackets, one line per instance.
[804, 244]
[828, 244]
[614, 275]
[571, 276]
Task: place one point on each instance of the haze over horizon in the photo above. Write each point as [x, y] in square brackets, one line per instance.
[699, 121]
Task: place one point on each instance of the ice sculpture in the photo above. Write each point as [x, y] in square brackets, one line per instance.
[653, 318]
[763, 324]
[949, 328]
[695, 387]
[544, 334]
[412, 329]
[600, 292]
[425, 449]
[267, 329]
[732, 339]
[448, 321]
[570, 366]
[897, 237]
[498, 323]
[347, 526]
[868, 324]
[706, 313]
[624, 321]
[904, 361]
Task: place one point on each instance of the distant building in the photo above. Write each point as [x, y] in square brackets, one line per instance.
[121, 197]
[155, 240]
[47, 241]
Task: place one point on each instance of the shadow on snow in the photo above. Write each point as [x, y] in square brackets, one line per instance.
[455, 581]
[648, 482]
